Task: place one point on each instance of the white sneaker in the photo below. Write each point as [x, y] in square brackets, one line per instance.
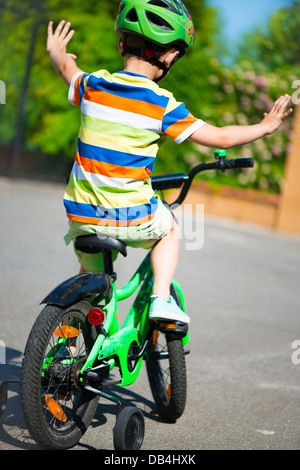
[162, 309]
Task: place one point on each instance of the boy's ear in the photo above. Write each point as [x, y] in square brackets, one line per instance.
[121, 46]
[170, 57]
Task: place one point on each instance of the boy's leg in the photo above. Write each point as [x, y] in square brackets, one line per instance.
[164, 259]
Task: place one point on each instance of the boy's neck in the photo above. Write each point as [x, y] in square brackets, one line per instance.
[141, 67]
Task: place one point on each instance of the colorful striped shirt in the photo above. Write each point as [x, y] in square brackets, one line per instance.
[124, 118]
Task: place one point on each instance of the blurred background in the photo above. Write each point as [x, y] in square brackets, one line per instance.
[242, 289]
[246, 54]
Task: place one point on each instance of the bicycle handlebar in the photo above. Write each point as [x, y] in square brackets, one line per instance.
[177, 180]
[238, 163]
[172, 181]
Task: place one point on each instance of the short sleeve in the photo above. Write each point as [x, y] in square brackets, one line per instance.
[77, 88]
[178, 123]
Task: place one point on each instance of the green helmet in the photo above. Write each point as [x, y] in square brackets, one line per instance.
[163, 22]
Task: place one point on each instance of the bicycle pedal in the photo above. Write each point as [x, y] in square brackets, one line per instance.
[175, 327]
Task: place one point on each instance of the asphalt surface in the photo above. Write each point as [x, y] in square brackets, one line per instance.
[243, 296]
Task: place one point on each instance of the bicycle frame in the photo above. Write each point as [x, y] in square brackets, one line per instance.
[114, 341]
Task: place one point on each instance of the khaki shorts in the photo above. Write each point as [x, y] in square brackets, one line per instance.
[136, 236]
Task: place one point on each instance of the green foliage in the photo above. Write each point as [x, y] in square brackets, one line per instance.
[277, 44]
[51, 122]
[216, 93]
[242, 94]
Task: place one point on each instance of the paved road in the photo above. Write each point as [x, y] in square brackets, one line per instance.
[243, 296]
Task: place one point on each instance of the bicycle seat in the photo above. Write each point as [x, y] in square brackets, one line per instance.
[95, 244]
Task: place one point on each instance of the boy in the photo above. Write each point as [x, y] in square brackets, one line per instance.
[123, 117]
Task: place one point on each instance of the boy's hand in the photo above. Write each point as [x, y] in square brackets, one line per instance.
[277, 115]
[59, 40]
[62, 62]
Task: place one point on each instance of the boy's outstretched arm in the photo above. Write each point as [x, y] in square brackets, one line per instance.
[234, 136]
[63, 63]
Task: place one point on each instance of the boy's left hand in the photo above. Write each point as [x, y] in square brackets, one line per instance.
[278, 114]
[60, 39]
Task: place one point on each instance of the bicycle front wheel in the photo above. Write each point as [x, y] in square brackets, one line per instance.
[57, 411]
[166, 371]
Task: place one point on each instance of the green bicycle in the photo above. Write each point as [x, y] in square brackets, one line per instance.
[76, 345]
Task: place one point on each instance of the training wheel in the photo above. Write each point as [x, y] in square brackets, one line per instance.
[129, 429]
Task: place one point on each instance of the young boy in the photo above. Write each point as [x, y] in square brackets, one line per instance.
[123, 117]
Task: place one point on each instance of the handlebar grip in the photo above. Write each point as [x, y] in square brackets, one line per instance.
[238, 163]
[171, 181]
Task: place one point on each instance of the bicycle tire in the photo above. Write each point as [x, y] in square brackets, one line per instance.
[168, 384]
[129, 429]
[77, 405]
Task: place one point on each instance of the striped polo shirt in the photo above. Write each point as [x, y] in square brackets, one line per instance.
[124, 119]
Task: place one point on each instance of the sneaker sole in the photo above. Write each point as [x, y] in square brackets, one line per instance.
[158, 316]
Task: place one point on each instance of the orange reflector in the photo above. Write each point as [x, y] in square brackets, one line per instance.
[168, 325]
[168, 394]
[66, 332]
[55, 409]
[154, 337]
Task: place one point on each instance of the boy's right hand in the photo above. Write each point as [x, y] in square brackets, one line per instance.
[63, 63]
[60, 39]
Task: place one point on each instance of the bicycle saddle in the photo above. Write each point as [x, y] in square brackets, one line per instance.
[95, 244]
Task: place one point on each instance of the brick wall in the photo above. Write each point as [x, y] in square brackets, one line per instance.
[289, 208]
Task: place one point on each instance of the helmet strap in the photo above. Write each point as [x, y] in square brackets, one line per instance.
[167, 69]
[150, 55]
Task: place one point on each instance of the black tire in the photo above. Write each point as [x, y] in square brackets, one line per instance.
[129, 429]
[166, 371]
[61, 425]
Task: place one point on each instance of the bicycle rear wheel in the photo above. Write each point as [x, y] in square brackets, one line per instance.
[166, 371]
[56, 410]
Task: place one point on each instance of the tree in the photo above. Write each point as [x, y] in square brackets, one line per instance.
[211, 91]
[51, 122]
[276, 45]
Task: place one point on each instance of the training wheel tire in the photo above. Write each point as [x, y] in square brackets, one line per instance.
[129, 429]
